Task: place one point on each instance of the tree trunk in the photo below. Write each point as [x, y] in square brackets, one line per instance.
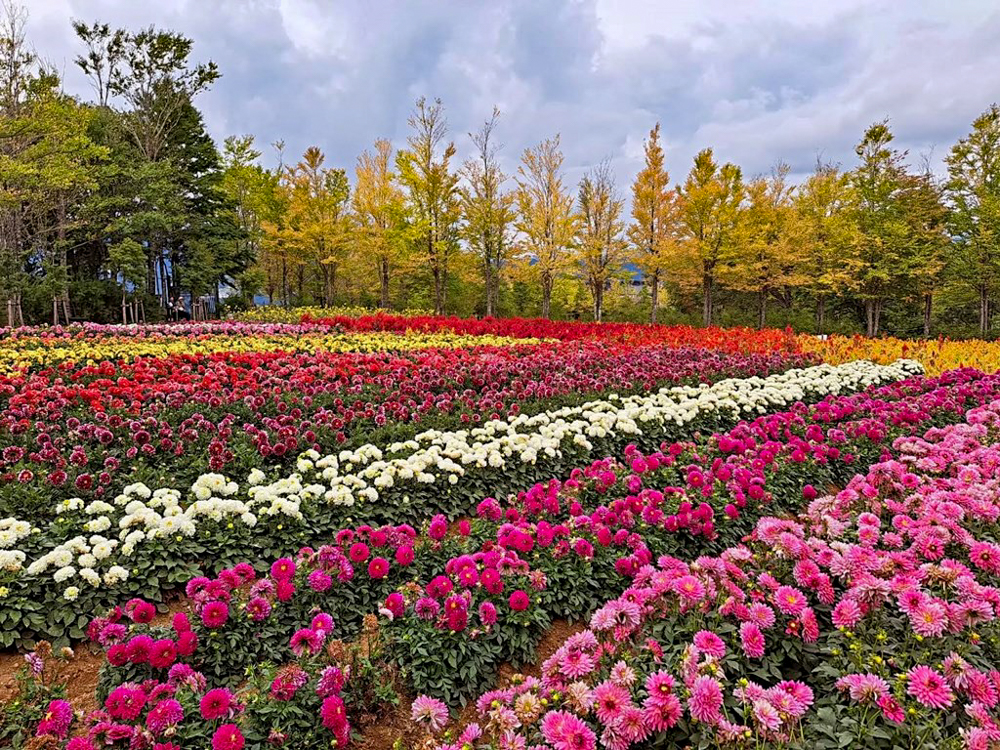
[706, 312]
[284, 283]
[383, 273]
[598, 301]
[820, 313]
[873, 316]
[438, 292]
[654, 294]
[761, 308]
[546, 297]
[984, 310]
[928, 304]
[63, 298]
[488, 277]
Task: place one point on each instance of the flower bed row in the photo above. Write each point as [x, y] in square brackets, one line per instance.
[718, 339]
[163, 538]
[870, 622]
[485, 601]
[28, 349]
[88, 430]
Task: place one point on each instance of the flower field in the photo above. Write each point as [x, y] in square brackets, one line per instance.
[413, 532]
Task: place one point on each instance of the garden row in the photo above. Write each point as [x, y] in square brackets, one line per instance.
[148, 541]
[868, 622]
[88, 429]
[483, 593]
[937, 355]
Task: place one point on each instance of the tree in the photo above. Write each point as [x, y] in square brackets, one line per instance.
[488, 210]
[709, 212]
[545, 214]
[878, 181]
[654, 217]
[154, 78]
[973, 191]
[926, 217]
[150, 74]
[316, 221]
[127, 260]
[379, 213]
[46, 164]
[602, 242]
[825, 235]
[250, 190]
[104, 57]
[763, 260]
[432, 188]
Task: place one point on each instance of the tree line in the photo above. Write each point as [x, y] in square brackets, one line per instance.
[110, 208]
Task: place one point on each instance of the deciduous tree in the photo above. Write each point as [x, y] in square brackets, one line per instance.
[379, 214]
[878, 181]
[487, 209]
[432, 188]
[654, 218]
[602, 245]
[762, 258]
[973, 191]
[545, 220]
[824, 232]
[709, 210]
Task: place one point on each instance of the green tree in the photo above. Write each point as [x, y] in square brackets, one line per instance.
[882, 263]
[973, 191]
[926, 216]
[46, 163]
[824, 232]
[150, 75]
[250, 190]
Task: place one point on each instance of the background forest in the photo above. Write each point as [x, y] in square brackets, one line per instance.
[112, 207]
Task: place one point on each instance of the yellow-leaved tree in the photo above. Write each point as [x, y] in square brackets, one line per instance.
[432, 189]
[602, 245]
[488, 211]
[762, 259]
[826, 235]
[545, 221]
[653, 231]
[316, 225]
[709, 210]
[379, 215]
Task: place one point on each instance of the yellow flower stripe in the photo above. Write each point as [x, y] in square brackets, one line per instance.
[33, 352]
[936, 355]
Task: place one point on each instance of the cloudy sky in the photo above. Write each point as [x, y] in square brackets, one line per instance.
[757, 80]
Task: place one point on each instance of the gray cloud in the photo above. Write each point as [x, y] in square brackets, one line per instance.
[767, 81]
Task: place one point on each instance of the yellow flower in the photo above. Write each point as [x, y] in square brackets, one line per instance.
[28, 352]
[936, 355]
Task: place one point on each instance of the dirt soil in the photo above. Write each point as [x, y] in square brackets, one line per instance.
[382, 733]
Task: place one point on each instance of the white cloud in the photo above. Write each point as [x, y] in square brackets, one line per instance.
[758, 80]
